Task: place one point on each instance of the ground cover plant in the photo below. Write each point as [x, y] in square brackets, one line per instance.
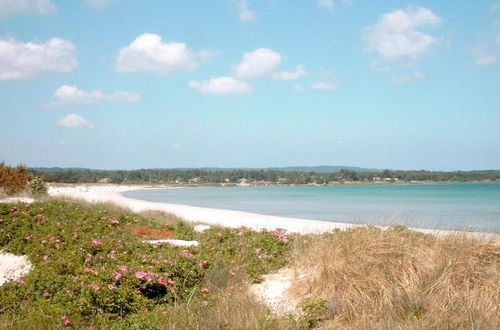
[90, 270]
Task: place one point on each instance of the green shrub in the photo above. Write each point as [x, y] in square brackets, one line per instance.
[313, 311]
[37, 187]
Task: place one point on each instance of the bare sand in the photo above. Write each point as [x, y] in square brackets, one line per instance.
[225, 218]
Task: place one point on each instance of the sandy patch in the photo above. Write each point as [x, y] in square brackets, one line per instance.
[272, 291]
[13, 267]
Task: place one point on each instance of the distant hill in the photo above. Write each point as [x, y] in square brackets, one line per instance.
[322, 169]
[317, 169]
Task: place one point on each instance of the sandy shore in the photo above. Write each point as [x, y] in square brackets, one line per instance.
[226, 218]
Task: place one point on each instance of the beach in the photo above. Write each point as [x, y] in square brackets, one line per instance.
[210, 216]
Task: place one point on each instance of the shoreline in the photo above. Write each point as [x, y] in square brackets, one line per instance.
[220, 217]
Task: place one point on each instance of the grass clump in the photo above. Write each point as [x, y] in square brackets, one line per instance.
[90, 270]
[401, 279]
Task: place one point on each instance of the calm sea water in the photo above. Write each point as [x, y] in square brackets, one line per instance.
[450, 206]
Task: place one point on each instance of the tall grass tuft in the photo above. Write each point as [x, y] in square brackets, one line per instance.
[401, 279]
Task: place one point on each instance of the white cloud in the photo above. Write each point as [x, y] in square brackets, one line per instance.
[323, 86]
[221, 86]
[407, 78]
[208, 56]
[148, 53]
[291, 75]
[75, 121]
[245, 14]
[299, 88]
[19, 60]
[21, 7]
[328, 4]
[395, 36]
[484, 59]
[98, 4]
[257, 64]
[71, 96]
[177, 146]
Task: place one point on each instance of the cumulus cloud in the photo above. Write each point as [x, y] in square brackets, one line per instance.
[75, 121]
[290, 75]
[257, 64]
[299, 88]
[245, 14]
[395, 36]
[71, 96]
[221, 86]
[323, 86]
[19, 60]
[21, 7]
[148, 53]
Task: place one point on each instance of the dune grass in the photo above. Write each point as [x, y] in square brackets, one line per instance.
[401, 279]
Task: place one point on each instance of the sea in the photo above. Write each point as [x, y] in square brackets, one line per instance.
[468, 206]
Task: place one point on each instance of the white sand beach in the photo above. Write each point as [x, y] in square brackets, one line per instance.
[225, 218]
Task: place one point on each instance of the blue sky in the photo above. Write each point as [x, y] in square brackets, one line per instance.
[122, 84]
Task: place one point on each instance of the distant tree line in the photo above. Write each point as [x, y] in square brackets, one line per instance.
[196, 176]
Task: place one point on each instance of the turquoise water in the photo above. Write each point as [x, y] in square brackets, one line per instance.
[447, 206]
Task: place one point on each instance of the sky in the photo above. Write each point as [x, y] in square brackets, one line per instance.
[127, 84]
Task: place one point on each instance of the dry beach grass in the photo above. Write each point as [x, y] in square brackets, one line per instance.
[401, 279]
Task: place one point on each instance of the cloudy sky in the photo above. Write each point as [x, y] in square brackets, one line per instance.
[121, 84]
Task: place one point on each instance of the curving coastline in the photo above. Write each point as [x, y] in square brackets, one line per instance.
[221, 217]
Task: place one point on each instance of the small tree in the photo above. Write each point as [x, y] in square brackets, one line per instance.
[37, 187]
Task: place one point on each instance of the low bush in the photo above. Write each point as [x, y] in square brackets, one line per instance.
[13, 179]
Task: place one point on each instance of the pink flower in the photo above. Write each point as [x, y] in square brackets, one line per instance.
[141, 275]
[204, 290]
[171, 282]
[111, 287]
[144, 308]
[20, 280]
[96, 242]
[66, 321]
[162, 281]
[95, 287]
[46, 295]
[219, 234]
[118, 276]
[122, 268]
[242, 244]
[90, 270]
[204, 303]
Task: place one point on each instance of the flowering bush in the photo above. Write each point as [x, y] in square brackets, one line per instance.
[89, 266]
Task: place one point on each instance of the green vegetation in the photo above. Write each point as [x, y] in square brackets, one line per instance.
[89, 269]
[200, 176]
